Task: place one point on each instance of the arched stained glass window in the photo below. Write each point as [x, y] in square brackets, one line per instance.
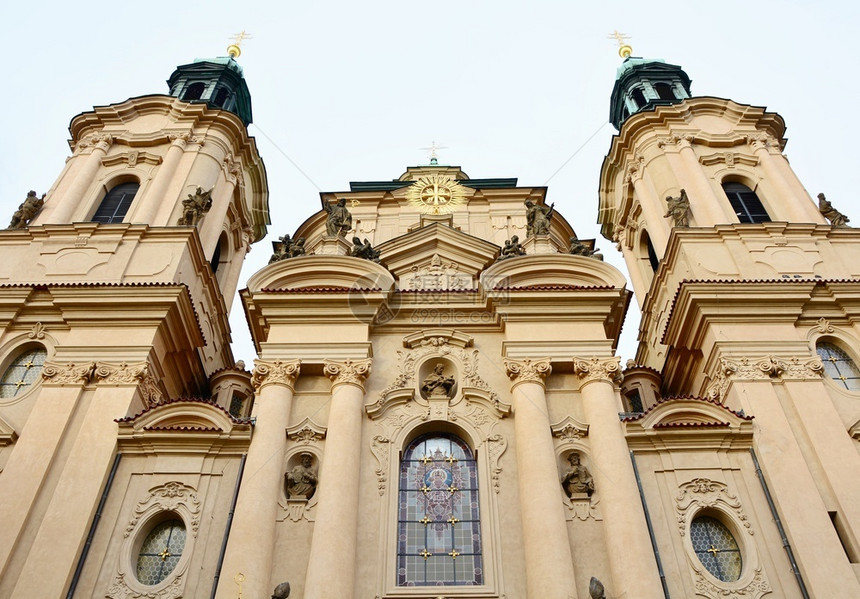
[22, 372]
[838, 365]
[439, 528]
[716, 548]
[160, 552]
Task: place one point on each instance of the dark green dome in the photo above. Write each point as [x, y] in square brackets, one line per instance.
[642, 84]
[219, 82]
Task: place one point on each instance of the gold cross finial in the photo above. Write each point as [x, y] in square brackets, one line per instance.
[425, 554]
[624, 49]
[164, 554]
[233, 49]
[426, 460]
[713, 551]
[239, 579]
[454, 553]
[434, 158]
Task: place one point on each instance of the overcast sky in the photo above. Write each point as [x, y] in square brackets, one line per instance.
[351, 91]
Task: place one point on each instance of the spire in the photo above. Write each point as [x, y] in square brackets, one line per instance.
[219, 82]
[642, 84]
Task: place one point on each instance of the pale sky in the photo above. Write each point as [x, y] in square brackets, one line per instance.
[351, 91]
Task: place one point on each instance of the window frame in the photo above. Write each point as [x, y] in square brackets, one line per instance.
[105, 197]
[12, 353]
[841, 344]
[745, 208]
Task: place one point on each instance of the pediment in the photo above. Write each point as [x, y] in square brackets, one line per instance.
[552, 269]
[437, 257]
[321, 271]
[181, 415]
[689, 422]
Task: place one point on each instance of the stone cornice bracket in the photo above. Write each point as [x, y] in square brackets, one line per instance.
[528, 371]
[598, 369]
[348, 372]
[275, 372]
[69, 373]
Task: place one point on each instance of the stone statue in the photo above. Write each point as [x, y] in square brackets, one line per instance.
[512, 249]
[302, 479]
[195, 206]
[27, 210]
[437, 384]
[286, 247]
[836, 218]
[583, 248]
[678, 209]
[364, 250]
[339, 219]
[595, 589]
[577, 479]
[538, 217]
[282, 591]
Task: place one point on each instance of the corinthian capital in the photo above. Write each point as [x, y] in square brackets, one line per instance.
[348, 372]
[275, 372]
[68, 373]
[528, 370]
[598, 369]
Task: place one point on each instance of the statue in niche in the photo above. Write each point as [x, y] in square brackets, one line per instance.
[286, 247]
[583, 248]
[577, 480]
[195, 206]
[836, 218]
[512, 248]
[678, 209]
[302, 479]
[437, 384]
[538, 218]
[27, 210]
[364, 250]
[339, 219]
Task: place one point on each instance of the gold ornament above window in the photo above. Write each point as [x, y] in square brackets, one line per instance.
[436, 194]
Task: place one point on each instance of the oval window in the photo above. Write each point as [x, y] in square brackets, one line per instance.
[716, 548]
[160, 552]
[838, 365]
[22, 372]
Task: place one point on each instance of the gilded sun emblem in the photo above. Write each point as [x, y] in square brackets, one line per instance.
[436, 194]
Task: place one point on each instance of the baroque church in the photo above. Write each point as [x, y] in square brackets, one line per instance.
[437, 409]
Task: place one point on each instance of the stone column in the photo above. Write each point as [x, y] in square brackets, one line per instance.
[331, 564]
[699, 187]
[69, 200]
[147, 210]
[624, 525]
[212, 224]
[252, 535]
[549, 563]
[793, 199]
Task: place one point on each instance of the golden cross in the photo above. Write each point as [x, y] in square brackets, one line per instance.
[19, 383]
[426, 459]
[453, 520]
[842, 378]
[164, 554]
[713, 551]
[425, 554]
[832, 359]
[28, 364]
[624, 49]
[239, 579]
[233, 49]
[434, 158]
[454, 553]
[425, 520]
[452, 489]
[426, 489]
[451, 459]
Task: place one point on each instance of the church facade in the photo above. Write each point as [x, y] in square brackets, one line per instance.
[437, 410]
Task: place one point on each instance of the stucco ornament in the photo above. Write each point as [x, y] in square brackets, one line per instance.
[437, 276]
[37, 332]
[130, 374]
[68, 373]
[436, 194]
[528, 370]
[598, 369]
[762, 368]
[348, 372]
[275, 372]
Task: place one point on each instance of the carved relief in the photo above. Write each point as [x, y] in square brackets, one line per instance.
[569, 430]
[676, 139]
[307, 432]
[703, 492]
[756, 588]
[348, 372]
[824, 325]
[763, 368]
[496, 446]
[275, 372]
[130, 374]
[380, 447]
[762, 140]
[68, 373]
[437, 276]
[528, 370]
[37, 332]
[598, 369]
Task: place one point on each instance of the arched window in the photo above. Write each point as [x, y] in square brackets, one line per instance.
[222, 97]
[745, 203]
[160, 552]
[116, 203]
[664, 91]
[716, 548]
[838, 365]
[194, 92]
[22, 372]
[638, 97]
[439, 529]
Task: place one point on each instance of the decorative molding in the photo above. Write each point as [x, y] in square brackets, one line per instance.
[37, 332]
[101, 141]
[762, 140]
[306, 432]
[132, 159]
[437, 338]
[824, 326]
[706, 493]
[275, 372]
[582, 508]
[756, 588]
[676, 139]
[569, 430]
[496, 446]
[436, 276]
[730, 159]
[168, 497]
[598, 369]
[120, 590]
[130, 374]
[762, 368]
[634, 168]
[347, 372]
[380, 447]
[69, 373]
[528, 370]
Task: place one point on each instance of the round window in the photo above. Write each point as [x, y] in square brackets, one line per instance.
[160, 552]
[22, 372]
[716, 548]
